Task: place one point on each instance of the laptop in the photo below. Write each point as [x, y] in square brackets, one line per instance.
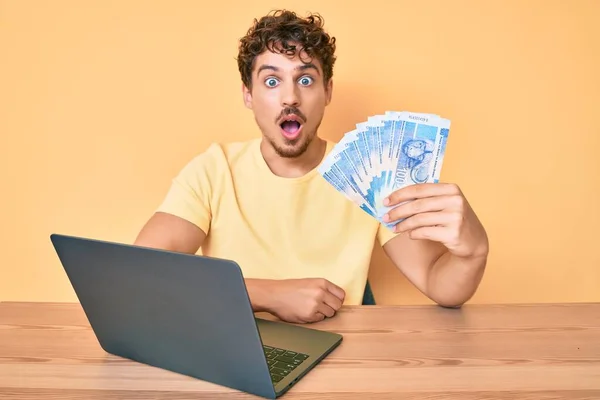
[188, 314]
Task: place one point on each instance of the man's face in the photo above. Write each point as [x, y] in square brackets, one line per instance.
[288, 99]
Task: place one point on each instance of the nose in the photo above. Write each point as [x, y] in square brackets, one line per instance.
[290, 96]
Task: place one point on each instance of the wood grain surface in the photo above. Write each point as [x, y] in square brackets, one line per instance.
[543, 351]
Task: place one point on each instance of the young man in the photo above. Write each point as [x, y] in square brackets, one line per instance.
[303, 248]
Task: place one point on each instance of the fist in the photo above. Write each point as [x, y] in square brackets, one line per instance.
[305, 300]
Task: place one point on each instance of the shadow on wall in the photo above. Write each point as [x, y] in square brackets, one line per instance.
[350, 105]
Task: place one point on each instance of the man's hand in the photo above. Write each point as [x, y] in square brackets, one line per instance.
[443, 247]
[301, 300]
[438, 212]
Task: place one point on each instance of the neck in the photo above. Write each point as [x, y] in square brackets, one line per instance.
[294, 167]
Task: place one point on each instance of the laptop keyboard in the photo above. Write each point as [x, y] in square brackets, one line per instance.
[282, 362]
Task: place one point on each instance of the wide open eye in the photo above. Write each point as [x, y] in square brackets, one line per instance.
[305, 80]
[271, 82]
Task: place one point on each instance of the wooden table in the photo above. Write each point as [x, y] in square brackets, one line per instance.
[47, 351]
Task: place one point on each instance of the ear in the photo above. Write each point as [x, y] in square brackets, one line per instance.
[247, 96]
[329, 91]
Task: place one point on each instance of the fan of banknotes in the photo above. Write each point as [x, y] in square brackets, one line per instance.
[384, 154]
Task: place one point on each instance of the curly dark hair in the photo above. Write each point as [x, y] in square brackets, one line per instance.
[274, 31]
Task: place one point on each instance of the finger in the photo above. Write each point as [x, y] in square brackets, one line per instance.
[426, 219]
[332, 301]
[410, 208]
[419, 191]
[434, 233]
[325, 310]
[335, 290]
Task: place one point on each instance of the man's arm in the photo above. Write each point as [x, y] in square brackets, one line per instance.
[446, 279]
[293, 300]
[169, 232]
[442, 247]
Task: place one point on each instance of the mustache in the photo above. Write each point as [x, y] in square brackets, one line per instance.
[290, 110]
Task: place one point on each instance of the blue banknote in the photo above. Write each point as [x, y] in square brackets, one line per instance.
[385, 153]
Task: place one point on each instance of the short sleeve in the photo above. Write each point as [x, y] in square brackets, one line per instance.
[190, 193]
[385, 234]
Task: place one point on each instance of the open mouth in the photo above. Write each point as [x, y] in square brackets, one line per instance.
[291, 127]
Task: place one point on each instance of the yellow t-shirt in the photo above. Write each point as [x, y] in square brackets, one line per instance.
[274, 227]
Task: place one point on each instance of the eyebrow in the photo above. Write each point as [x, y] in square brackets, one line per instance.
[302, 67]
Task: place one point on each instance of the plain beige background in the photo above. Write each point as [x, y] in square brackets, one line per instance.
[102, 102]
